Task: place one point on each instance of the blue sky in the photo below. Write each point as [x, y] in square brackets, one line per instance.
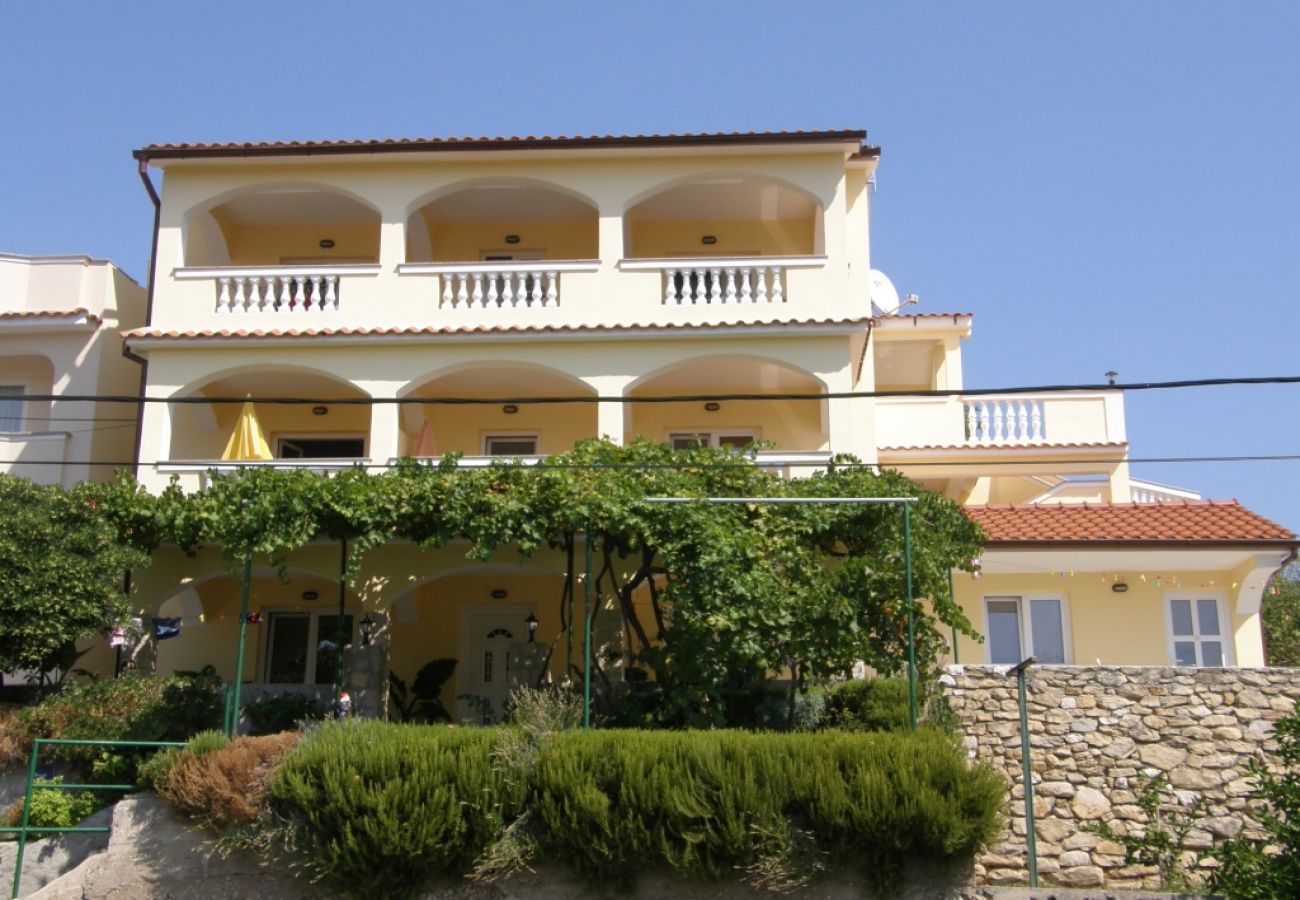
[1106, 185]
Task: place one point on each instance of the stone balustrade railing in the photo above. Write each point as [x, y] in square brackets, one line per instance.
[723, 281]
[515, 284]
[277, 289]
[1005, 420]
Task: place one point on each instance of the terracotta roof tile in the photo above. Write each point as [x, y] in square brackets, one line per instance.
[513, 142]
[78, 313]
[454, 330]
[1165, 522]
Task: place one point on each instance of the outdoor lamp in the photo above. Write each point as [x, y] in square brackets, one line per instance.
[531, 622]
[367, 627]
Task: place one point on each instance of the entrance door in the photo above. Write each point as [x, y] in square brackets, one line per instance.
[486, 675]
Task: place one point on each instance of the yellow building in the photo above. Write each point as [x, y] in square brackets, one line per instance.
[646, 266]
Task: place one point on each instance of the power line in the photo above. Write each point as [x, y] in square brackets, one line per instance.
[676, 398]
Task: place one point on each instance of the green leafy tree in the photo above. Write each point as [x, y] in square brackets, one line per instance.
[1280, 618]
[62, 563]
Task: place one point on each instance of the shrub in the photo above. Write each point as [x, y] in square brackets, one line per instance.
[15, 742]
[223, 783]
[282, 712]
[612, 804]
[135, 707]
[875, 704]
[380, 807]
[52, 808]
[1253, 868]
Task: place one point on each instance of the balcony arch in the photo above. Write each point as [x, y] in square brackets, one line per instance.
[435, 429]
[284, 223]
[501, 218]
[792, 425]
[723, 214]
[307, 430]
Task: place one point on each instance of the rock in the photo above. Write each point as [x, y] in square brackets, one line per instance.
[1072, 858]
[1080, 876]
[1195, 779]
[1055, 789]
[1082, 841]
[1089, 803]
[1162, 756]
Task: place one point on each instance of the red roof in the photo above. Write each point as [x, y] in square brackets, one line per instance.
[78, 313]
[454, 330]
[514, 142]
[1166, 522]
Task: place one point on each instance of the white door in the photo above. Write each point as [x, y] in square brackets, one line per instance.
[486, 675]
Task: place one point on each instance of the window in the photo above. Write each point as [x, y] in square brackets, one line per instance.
[510, 445]
[1195, 631]
[11, 407]
[690, 440]
[321, 448]
[1010, 638]
[303, 647]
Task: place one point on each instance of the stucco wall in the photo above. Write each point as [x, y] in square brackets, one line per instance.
[1093, 731]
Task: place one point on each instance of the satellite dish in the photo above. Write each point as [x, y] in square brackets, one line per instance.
[884, 296]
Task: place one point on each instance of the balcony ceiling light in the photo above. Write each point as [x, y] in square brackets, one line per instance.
[327, 243]
[709, 239]
[510, 409]
[512, 238]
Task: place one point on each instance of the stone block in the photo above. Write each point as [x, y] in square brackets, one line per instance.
[1071, 858]
[1080, 876]
[1195, 779]
[1162, 756]
[1089, 803]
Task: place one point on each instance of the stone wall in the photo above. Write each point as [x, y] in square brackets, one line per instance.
[1095, 732]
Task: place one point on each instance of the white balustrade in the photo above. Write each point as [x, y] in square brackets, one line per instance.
[1004, 420]
[277, 289]
[483, 288]
[723, 284]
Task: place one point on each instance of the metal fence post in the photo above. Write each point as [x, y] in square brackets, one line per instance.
[1031, 842]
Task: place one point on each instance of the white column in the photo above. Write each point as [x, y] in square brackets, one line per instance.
[385, 433]
[850, 420]
[610, 417]
[155, 441]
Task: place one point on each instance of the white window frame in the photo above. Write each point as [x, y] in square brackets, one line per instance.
[1225, 635]
[1023, 602]
[487, 437]
[24, 389]
[715, 434]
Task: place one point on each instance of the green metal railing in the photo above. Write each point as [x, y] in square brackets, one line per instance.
[32, 785]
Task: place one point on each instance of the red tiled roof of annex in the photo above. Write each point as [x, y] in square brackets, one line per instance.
[77, 313]
[1164, 522]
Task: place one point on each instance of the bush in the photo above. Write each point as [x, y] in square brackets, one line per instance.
[282, 712]
[223, 782]
[135, 707]
[379, 808]
[875, 704]
[52, 808]
[1253, 868]
[15, 742]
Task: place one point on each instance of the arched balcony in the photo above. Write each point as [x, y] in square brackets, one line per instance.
[483, 432]
[724, 239]
[797, 428]
[280, 248]
[505, 244]
[320, 436]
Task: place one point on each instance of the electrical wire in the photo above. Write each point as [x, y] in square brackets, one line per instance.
[676, 398]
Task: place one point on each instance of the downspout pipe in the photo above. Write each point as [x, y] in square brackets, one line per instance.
[143, 168]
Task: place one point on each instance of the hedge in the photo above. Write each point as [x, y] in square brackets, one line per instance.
[387, 806]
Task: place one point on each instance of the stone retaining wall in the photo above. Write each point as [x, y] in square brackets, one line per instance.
[1095, 732]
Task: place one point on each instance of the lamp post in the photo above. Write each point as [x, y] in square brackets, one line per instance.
[531, 623]
[367, 629]
[1031, 843]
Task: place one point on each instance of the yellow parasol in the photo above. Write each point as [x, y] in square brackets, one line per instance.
[425, 445]
[248, 441]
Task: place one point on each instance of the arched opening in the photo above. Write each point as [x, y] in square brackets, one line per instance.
[200, 431]
[502, 220]
[282, 225]
[510, 430]
[292, 645]
[792, 425]
[478, 616]
[727, 215]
